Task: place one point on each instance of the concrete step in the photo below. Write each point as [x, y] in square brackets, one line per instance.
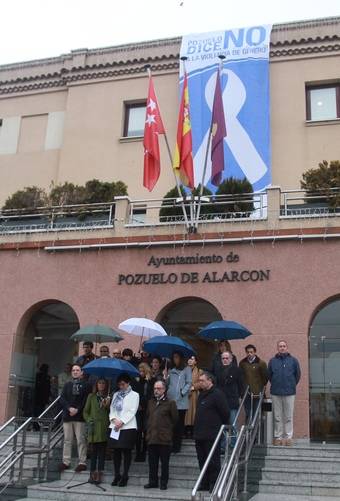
[299, 451]
[297, 488]
[57, 491]
[182, 480]
[285, 497]
[311, 463]
[288, 475]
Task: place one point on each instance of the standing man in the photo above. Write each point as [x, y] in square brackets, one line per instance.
[284, 374]
[212, 412]
[117, 353]
[73, 400]
[255, 375]
[161, 418]
[229, 379]
[88, 355]
[104, 352]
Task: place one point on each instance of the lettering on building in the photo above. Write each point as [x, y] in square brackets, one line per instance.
[194, 277]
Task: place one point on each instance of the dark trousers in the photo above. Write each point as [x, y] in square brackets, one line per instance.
[203, 448]
[98, 456]
[179, 431]
[158, 453]
[117, 459]
[247, 406]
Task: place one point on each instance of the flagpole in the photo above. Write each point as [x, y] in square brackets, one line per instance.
[221, 58]
[187, 224]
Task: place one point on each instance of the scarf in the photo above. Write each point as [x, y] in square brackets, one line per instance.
[76, 386]
[159, 399]
[117, 403]
[100, 399]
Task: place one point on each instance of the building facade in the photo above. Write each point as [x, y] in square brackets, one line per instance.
[78, 117]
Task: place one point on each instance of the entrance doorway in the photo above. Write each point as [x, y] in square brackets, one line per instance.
[184, 318]
[324, 352]
[43, 337]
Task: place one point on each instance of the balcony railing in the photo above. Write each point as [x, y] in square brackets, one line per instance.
[124, 213]
[298, 203]
[57, 218]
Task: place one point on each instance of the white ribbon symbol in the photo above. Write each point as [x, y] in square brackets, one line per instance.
[239, 142]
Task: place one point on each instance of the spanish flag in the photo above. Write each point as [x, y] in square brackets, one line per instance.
[183, 161]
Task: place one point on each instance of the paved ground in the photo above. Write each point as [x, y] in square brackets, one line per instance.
[280, 497]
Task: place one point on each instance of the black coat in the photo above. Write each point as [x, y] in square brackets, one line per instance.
[144, 389]
[230, 380]
[217, 363]
[74, 394]
[212, 411]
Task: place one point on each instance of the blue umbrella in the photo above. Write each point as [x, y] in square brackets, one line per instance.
[224, 330]
[164, 346]
[110, 367]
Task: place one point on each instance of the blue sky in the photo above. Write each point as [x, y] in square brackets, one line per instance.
[32, 29]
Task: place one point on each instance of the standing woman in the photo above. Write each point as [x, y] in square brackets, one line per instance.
[123, 426]
[143, 387]
[179, 385]
[96, 414]
[193, 396]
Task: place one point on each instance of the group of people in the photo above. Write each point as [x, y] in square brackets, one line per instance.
[169, 400]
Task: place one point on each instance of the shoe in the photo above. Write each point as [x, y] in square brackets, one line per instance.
[163, 487]
[150, 486]
[116, 480]
[62, 467]
[92, 477]
[80, 467]
[99, 477]
[277, 441]
[123, 482]
[288, 442]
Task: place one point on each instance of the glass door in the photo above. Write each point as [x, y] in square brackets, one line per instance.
[324, 350]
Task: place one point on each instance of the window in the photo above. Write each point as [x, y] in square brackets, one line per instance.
[134, 119]
[323, 102]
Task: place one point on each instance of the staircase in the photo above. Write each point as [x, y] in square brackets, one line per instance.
[311, 471]
[304, 472]
[183, 474]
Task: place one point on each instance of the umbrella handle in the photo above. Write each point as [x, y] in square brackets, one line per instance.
[141, 340]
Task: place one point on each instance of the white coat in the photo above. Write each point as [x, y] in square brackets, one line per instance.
[128, 412]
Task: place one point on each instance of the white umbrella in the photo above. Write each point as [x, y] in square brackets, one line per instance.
[142, 327]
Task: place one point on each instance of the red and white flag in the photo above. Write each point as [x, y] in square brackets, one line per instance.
[153, 127]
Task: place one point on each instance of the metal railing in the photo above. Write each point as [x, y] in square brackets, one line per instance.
[225, 431]
[214, 208]
[57, 218]
[227, 484]
[15, 448]
[159, 212]
[301, 204]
